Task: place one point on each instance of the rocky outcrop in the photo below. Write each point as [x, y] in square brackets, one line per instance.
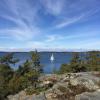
[72, 86]
[88, 96]
[88, 80]
[22, 96]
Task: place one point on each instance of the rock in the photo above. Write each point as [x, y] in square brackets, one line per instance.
[15, 97]
[27, 97]
[87, 80]
[88, 96]
[39, 97]
[74, 82]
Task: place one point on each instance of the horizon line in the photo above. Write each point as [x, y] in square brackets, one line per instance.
[46, 50]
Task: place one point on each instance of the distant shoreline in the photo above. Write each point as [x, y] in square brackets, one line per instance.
[49, 51]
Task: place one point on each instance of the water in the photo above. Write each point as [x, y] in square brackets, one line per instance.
[48, 66]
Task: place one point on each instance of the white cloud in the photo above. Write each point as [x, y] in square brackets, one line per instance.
[68, 12]
[75, 19]
[76, 35]
[52, 38]
[92, 43]
[53, 7]
[68, 22]
[23, 15]
[20, 33]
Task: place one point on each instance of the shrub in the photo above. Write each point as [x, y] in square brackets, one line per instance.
[64, 69]
[17, 84]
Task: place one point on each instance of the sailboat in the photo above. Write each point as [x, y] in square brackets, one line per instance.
[52, 58]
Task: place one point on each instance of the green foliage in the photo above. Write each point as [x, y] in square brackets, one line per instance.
[8, 59]
[64, 68]
[35, 60]
[93, 60]
[6, 71]
[25, 68]
[89, 62]
[11, 82]
[6, 74]
[76, 64]
[32, 76]
[17, 84]
[23, 79]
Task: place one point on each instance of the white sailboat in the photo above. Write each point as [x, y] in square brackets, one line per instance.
[52, 58]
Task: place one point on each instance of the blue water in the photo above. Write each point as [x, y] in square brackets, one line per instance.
[48, 66]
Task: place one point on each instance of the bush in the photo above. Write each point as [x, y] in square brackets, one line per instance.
[6, 74]
[17, 84]
[11, 82]
[64, 69]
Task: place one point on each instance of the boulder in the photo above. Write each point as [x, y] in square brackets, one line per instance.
[88, 96]
[88, 80]
[41, 96]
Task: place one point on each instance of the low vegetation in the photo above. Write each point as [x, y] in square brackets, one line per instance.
[11, 82]
[90, 61]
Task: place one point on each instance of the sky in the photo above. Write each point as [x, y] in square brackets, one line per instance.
[49, 24]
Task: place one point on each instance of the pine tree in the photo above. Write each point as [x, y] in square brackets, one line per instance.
[35, 58]
[76, 63]
[93, 60]
[8, 59]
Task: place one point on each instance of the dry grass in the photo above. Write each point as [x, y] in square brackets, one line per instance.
[70, 92]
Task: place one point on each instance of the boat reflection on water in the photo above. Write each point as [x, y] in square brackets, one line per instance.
[52, 59]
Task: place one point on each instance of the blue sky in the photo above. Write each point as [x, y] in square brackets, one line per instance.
[49, 24]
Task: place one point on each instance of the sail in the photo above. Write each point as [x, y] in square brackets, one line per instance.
[52, 57]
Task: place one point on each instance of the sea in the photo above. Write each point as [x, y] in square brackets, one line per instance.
[48, 65]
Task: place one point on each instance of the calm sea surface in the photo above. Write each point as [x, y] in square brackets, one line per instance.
[48, 66]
